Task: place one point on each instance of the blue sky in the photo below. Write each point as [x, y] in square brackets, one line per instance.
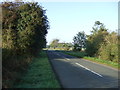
[68, 18]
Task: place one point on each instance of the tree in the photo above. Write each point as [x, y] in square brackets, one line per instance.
[32, 27]
[98, 26]
[54, 43]
[109, 49]
[65, 46]
[61, 46]
[79, 41]
[95, 39]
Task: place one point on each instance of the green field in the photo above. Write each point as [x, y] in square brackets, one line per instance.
[83, 55]
[39, 74]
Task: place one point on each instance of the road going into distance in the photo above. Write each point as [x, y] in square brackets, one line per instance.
[74, 72]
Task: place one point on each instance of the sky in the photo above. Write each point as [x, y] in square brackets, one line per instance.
[66, 19]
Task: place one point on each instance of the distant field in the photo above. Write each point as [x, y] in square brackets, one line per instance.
[83, 55]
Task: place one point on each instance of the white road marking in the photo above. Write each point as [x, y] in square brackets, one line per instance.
[67, 58]
[101, 64]
[88, 69]
[62, 56]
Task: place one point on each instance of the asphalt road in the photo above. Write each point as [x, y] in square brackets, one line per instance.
[78, 73]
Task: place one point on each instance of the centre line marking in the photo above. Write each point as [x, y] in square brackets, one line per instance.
[67, 58]
[88, 69]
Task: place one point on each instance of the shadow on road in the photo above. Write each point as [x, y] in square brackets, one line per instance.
[72, 76]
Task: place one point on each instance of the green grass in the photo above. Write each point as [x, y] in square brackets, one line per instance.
[106, 62]
[94, 59]
[39, 74]
[75, 53]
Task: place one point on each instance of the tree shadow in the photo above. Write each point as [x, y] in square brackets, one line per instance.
[73, 76]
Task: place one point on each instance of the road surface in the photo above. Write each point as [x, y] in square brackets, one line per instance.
[78, 73]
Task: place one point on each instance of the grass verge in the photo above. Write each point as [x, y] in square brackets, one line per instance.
[94, 59]
[105, 62]
[39, 74]
[76, 54]
[13, 69]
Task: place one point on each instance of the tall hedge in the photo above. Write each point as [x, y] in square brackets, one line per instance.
[24, 29]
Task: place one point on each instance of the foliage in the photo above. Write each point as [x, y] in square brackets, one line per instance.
[102, 44]
[95, 39]
[109, 49]
[66, 46]
[24, 29]
[79, 41]
[55, 44]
